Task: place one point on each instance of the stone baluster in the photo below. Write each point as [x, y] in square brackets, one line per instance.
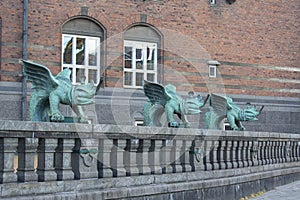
[63, 163]
[239, 153]
[281, 151]
[84, 158]
[222, 154]
[154, 156]
[264, 152]
[8, 148]
[244, 153]
[297, 150]
[214, 155]
[130, 157]
[120, 146]
[168, 157]
[293, 151]
[197, 155]
[234, 154]
[142, 157]
[254, 152]
[275, 151]
[287, 151]
[208, 157]
[176, 156]
[227, 152]
[260, 153]
[46, 159]
[268, 152]
[185, 155]
[104, 158]
[27, 149]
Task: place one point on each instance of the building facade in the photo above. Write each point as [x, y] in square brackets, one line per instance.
[248, 50]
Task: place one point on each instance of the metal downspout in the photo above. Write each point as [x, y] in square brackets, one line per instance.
[24, 57]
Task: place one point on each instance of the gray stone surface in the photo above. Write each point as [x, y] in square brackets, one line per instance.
[286, 192]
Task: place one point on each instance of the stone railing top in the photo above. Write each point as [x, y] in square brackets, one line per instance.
[74, 130]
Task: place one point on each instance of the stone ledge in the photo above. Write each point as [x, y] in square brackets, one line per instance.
[134, 186]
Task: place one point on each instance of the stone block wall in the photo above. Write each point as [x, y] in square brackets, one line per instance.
[255, 42]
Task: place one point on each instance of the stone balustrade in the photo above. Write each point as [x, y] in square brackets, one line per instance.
[54, 152]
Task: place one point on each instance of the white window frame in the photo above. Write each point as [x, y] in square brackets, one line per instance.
[212, 68]
[212, 2]
[73, 66]
[212, 71]
[144, 70]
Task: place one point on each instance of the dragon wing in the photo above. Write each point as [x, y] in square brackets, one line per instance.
[218, 110]
[156, 93]
[218, 104]
[40, 76]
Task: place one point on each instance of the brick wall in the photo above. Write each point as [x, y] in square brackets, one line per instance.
[257, 42]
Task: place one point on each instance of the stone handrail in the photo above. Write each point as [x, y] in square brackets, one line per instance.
[48, 152]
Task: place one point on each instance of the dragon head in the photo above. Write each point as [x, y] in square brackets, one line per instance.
[250, 113]
[192, 105]
[83, 94]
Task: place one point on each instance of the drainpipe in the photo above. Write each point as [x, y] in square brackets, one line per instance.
[24, 57]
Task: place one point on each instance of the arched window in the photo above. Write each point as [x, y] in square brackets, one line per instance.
[81, 49]
[141, 55]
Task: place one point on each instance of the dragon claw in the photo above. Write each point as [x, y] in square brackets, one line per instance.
[173, 124]
[57, 117]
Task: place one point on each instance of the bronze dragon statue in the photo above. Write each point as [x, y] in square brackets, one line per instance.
[49, 91]
[222, 107]
[165, 99]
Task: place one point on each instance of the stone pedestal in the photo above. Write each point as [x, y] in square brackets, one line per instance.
[27, 149]
[46, 154]
[8, 147]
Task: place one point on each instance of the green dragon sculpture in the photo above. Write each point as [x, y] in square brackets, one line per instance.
[49, 91]
[165, 99]
[223, 107]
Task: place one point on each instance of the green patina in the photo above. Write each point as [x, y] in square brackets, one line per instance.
[165, 99]
[49, 91]
[223, 107]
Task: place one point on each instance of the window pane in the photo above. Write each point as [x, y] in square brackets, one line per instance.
[139, 79]
[139, 64]
[128, 53]
[138, 54]
[67, 49]
[80, 45]
[150, 58]
[128, 78]
[93, 75]
[80, 76]
[92, 49]
[150, 77]
[128, 57]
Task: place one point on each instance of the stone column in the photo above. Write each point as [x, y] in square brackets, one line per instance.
[8, 148]
[186, 156]
[281, 151]
[244, 148]
[222, 154]
[104, 158]
[234, 154]
[176, 156]
[142, 156]
[260, 155]
[120, 146]
[228, 157]
[168, 151]
[208, 159]
[154, 156]
[27, 149]
[46, 159]
[130, 157]
[63, 165]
